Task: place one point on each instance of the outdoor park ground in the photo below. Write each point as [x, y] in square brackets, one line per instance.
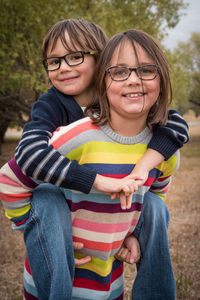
[183, 201]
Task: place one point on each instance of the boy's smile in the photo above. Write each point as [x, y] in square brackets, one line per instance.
[76, 81]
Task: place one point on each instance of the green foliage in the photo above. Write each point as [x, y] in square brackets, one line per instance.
[195, 58]
[185, 63]
[181, 80]
[23, 24]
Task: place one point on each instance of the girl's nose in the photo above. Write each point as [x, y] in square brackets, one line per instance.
[133, 78]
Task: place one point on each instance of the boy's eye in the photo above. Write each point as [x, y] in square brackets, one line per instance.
[74, 57]
[53, 61]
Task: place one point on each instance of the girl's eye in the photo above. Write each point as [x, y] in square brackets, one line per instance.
[119, 72]
[147, 70]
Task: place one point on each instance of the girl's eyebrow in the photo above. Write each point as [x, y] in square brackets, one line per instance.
[54, 54]
[138, 64]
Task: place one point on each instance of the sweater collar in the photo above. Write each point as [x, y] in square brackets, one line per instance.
[129, 140]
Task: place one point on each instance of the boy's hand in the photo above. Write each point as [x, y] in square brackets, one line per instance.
[121, 188]
[129, 252]
[137, 180]
[81, 261]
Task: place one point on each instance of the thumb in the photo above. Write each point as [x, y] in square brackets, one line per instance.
[77, 245]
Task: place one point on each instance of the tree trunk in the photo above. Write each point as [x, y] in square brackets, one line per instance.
[3, 127]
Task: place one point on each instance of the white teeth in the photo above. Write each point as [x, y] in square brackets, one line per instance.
[134, 95]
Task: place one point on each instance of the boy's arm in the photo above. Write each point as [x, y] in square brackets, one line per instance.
[171, 137]
[41, 161]
[166, 140]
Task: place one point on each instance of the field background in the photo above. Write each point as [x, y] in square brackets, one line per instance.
[183, 201]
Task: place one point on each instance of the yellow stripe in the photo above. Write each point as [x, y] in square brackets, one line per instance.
[110, 153]
[17, 212]
[97, 265]
[168, 167]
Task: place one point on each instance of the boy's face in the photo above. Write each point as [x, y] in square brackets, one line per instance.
[76, 81]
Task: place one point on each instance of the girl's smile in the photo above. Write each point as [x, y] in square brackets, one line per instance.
[132, 98]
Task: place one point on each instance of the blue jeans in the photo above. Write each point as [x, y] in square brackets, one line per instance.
[155, 278]
[48, 238]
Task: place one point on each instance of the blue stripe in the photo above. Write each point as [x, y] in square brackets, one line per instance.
[111, 168]
[21, 218]
[116, 289]
[97, 197]
[29, 284]
[116, 169]
[85, 273]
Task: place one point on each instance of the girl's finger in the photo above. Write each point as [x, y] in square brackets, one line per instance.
[82, 261]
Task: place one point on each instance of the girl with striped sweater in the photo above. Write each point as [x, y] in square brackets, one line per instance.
[132, 96]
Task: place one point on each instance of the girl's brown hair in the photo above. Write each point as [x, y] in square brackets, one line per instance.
[99, 110]
[86, 35]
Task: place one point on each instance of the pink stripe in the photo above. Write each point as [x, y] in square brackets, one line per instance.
[6, 180]
[14, 197]
[103, 227]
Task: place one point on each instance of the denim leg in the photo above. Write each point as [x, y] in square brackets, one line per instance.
[48, 238]
[155, 278]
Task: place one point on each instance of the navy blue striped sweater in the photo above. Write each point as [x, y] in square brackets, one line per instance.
[55, 109]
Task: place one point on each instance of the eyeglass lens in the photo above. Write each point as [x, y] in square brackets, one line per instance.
[147, 72]
[72, 59]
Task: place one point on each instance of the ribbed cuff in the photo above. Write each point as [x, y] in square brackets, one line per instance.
[81, 178]
[165, 144]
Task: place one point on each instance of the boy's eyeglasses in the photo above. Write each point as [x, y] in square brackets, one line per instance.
[72, 59]
[121, 73]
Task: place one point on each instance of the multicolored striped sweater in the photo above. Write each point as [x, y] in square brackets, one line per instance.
[37, 158]
[97, 221]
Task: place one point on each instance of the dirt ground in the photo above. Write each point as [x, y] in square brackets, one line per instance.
[183, 201]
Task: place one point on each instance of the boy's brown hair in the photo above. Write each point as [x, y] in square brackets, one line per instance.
[99, 110]
[86, 35]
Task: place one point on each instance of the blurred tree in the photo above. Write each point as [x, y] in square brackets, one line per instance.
[181, 80]
[194, 97]
[185, 66]
[23, 25]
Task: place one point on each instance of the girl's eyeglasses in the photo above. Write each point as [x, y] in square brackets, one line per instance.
[72, 59]
[121, 73]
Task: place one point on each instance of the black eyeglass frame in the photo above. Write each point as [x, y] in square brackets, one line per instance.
[44, 62]
[131, 70]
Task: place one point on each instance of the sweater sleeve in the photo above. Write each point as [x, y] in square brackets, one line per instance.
[161, 185]
[15, 192]
[38, 159]
[169, 138]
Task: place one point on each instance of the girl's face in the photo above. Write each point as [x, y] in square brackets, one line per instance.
[131, 98]
[77, 80]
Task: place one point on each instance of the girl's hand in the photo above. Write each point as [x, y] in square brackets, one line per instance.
[129, 252]
[80, 261]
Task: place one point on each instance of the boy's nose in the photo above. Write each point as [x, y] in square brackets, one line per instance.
[64, 65]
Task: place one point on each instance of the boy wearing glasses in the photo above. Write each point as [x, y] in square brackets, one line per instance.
[70, 60]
